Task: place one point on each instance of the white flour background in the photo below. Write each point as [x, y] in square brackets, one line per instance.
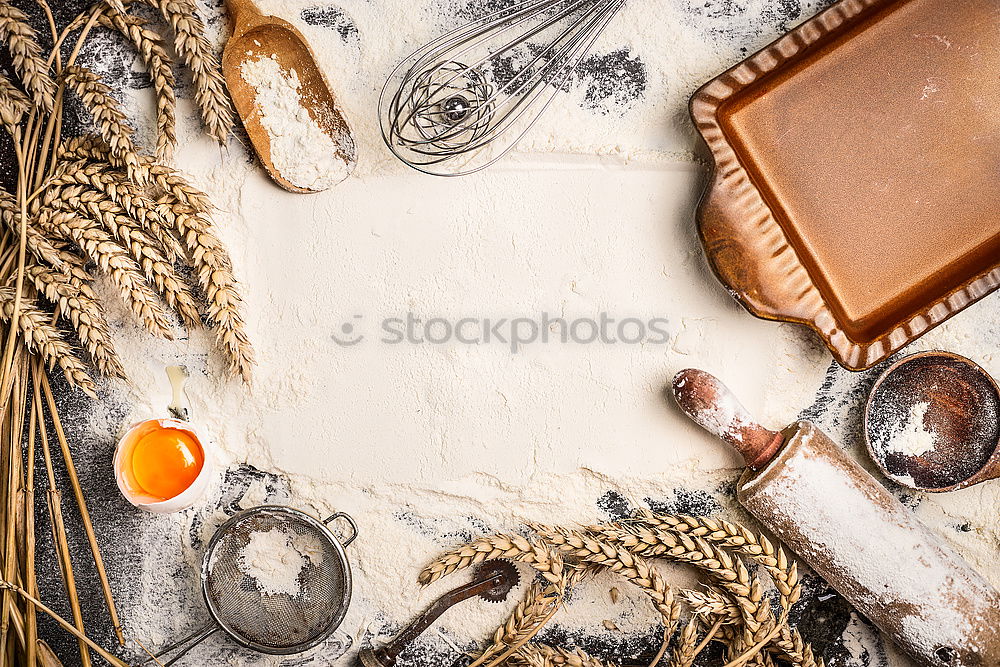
[428, 445]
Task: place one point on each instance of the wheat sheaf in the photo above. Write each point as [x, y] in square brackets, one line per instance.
[101, 207]
[731, 609]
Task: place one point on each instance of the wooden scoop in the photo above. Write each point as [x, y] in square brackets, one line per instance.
[256, 36]
[711, 405]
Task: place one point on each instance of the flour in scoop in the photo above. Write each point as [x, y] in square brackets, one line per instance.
[301, 151]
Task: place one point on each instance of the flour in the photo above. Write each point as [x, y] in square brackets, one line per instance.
[302, 152]
[273, 562]
[429, 446]
[912, 437]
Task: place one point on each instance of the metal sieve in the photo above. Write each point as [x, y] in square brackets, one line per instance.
[273, 623]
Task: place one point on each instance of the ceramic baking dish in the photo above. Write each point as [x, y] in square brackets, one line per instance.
[856, 175]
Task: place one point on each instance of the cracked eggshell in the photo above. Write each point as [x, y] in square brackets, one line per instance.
[125, 478]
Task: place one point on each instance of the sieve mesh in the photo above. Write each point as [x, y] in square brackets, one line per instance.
[275, 622]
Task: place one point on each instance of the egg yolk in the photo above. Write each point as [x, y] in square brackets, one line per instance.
[166, 462]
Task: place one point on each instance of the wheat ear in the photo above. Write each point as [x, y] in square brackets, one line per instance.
[193, 47]
[143, 249]
[159, 65]
[27, 55]
[84, 312]
[37, 244]
[109, 118]
[728, 571]
[13, 104]
[164, 178]
[686, 649]
[215, 275]
[712, 602]
[115, 261]
[544, 655]
[43, 338]
[742, 540]
[511, 547]
[115, 186]
[185, 208]
[619, 560]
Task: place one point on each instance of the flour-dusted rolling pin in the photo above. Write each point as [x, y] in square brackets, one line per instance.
[854, 533]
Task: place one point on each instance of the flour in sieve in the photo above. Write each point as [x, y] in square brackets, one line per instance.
[301, 151]
[274, 560]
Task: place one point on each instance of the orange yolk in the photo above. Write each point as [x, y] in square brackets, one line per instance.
[166, 462]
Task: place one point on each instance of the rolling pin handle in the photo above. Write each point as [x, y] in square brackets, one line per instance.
[711, 405]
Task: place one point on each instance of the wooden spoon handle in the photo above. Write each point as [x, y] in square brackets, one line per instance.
[240, 12]
[703, 398]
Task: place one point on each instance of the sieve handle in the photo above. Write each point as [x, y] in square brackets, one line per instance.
[191, 641]
[346, 517]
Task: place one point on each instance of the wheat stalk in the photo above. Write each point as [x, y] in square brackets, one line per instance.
[158, 63]
[109, 119]
[41, 337]
[27, 55]
[196, 52]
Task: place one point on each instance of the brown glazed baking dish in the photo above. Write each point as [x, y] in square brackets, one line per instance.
[856, 178]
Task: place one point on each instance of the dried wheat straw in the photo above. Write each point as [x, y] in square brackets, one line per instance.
[41, 337]
[159, 65]
[193, 47]
[21, 40]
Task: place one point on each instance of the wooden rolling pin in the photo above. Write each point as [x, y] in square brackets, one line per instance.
[854, 533]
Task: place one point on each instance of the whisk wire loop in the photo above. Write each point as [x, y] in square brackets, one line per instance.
[464, 100]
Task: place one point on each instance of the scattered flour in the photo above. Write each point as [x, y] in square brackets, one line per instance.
[301, 151]
[912, 438]
[273, 561]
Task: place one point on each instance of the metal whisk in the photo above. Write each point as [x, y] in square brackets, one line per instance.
[464, 100]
